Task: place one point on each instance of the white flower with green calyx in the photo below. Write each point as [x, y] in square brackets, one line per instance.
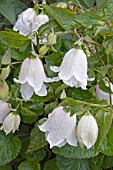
[87, 131]
[101, 95]
[73, 69]
[4, 110]
[60, 128]
[11, 123]
[32, 78]
[29, 22]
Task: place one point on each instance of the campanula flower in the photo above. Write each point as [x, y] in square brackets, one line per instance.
[60, 128]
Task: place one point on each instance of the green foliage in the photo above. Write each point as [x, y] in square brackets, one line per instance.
[63, 16]
[13, 39]
[79, 164]
[51, 164]
[10, 9]
[85, 25]
[9, 148]
[37, 139]
[30, 164]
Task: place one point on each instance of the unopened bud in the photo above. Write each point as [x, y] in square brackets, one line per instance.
[43, 50]
[51, 39]
[4, 90]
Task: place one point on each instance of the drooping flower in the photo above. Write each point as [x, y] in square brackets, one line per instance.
[32, 78]
[60, 128]
[73, 69]
[11, 123]
[4, 110]
[28, 22]
[87, 131]
[103, 95]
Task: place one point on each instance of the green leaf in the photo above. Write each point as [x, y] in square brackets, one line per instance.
[9, 148]
[30, 164]
[11, 8]
[13, 39]
[104, 121]
[99, 2]
[28, 116]
[63, 16]
[79, 164]
[69, 151]
[107, 144]
[87, 19]
[107, 162]
[37, 139]
[50, 107]
[87, 3]
[5, 167]
[105, 9]
[51, 164]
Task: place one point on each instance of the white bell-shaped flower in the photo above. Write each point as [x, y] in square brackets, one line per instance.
[73, 69]
[4, 110]
[60, 128]
[32, 78]
[101, 95]
[28, 22]
[11, 123]
[87, 131]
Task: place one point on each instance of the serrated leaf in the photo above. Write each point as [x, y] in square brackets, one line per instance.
[105, 9]
[51, 164]
[13, 39]
[104, 121]
[9, 148]
[30, 164]
[79, 164]
[87, 19]
[87, 3]
[63, 16]
[37, 139]
[107, 144]
[11, 8]
[107, 162]
[75, 152]
[28, 116]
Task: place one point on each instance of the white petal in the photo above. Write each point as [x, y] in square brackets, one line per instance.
[42, 91]
[4, 110]
[87, 131]
[55, 69]
[39, 20]
[16, 123]
[58, 127]
[74, 64]
[23, 71]
[71, 137]
[25, 21]
[102, 95]
[26, 91]
[36, 74]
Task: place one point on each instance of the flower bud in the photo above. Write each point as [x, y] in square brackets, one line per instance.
[87, 131]
[4, 90]
[51, 39]
[43, 50]
[11, 123]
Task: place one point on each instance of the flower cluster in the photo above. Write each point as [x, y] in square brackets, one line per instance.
[60, 129]
[10, 121]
